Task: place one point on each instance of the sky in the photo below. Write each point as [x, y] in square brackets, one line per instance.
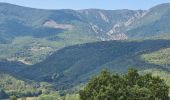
[86, 4]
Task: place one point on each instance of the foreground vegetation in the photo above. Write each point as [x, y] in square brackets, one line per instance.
[130, 86]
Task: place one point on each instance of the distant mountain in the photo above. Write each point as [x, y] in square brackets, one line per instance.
[155, 23]
[33, 34]
[22, 21]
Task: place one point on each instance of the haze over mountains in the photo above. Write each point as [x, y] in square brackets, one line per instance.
[34, 42]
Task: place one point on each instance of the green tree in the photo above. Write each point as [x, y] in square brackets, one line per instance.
[131, 86]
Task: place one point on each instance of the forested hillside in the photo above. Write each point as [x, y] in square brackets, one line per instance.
[75, 64]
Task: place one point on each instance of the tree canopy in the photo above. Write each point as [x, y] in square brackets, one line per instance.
[131, 86]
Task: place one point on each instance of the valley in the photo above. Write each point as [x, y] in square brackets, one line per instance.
[54, 53]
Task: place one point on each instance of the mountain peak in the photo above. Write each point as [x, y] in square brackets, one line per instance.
[7, 4]
[161, 6]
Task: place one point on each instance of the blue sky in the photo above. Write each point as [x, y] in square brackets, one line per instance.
[85, 4]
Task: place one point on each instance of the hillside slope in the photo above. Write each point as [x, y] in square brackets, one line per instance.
[155, 23]
[75, 64]
[11, 67]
